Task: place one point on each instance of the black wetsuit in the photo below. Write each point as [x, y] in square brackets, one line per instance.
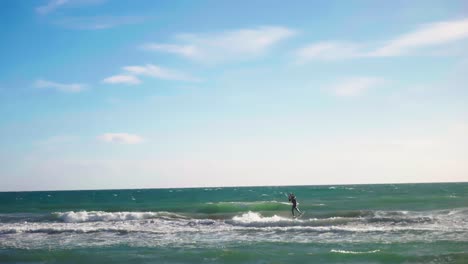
[294, 204]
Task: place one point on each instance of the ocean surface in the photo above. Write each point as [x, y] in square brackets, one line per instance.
[391, 223]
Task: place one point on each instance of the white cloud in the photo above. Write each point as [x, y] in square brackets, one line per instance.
[225, 46]
[429, 35]
[53, 5]
[131, 72]
[328, 51]
[158, 72]
[122, 138]
[183, 50]
[71, 88]
[50, 6]
[97, 22]
[125, 79]
[354, 86]
[424, 152]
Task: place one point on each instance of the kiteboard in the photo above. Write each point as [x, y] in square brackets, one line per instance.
[300, 215]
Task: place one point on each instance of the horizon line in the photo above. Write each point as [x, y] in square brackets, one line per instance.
[236, 186]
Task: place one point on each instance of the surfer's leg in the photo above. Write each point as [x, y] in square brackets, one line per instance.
[298, 210]
[292, 211]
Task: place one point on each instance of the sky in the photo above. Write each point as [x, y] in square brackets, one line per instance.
[98, 94]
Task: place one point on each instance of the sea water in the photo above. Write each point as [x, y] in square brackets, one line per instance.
[391, 223]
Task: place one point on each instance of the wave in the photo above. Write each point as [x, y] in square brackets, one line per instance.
[375, 219]
[363, 221]
[95, 216]
[233, 207]
[144, 224]
[354, 252]
[253, 219]
[453, 223]
[257, 217]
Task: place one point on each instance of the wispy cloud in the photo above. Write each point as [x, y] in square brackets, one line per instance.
[354, 86]
[50, 6]
[158, 72]
[129, 76]
[70, 88]
[124, 79]
[426, 36]
[97, 22]
[149, 70]
[225, 46]
[122, 138]
[188, 51]
[53, 5]
[328, 51]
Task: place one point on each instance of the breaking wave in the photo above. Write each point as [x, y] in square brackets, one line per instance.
[164, 228]
[354, 221]
[354, 252]
[95, 216]
[253, 219]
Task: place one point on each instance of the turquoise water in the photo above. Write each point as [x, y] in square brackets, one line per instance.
[404, 223]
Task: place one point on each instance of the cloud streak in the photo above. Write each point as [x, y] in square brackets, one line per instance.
[226, 46]
[189, 51]
[122, 79]
[62, 87]
[426, 36]
[97, 22]
[149, 70]
[158, 72]
[51, 6]
[120, 138]
[54, 5]
[328, 51]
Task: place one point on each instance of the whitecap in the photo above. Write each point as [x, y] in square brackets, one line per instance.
[95, 216]
[354, 252]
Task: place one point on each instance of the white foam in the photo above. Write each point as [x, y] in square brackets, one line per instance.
[252, 217]
[241, 203]
[94, 216]
[166, 229]
[354, 252]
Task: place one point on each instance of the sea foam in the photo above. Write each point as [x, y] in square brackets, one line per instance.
[94, 216]
[354, 252]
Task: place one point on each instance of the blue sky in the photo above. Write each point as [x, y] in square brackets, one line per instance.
[98, 94]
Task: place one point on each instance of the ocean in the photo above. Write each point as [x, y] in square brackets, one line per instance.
[388, 223]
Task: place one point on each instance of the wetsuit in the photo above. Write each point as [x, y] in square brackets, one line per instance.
[292, 199]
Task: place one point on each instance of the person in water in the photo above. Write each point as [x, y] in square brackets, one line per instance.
[292, 199]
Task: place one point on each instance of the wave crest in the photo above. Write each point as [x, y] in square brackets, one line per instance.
[354, 252]
[95, 216]
[253, 219]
